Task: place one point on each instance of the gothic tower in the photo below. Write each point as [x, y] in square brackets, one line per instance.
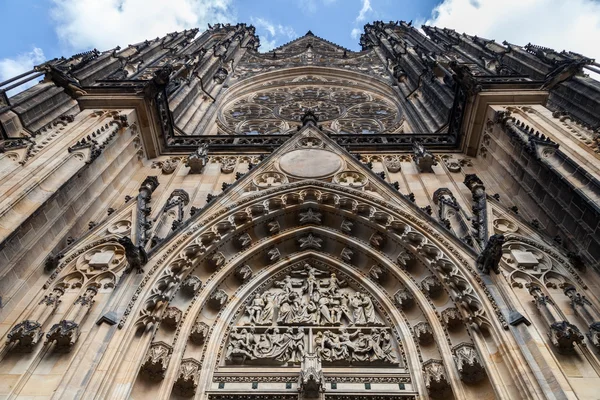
[188, 217]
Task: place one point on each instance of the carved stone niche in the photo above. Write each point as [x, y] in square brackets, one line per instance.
[25, 335]
[64, 334]
[156, 361]
[191, 284]
[311, 383]
[172, 316]
[243, 273]
[436, 379]
[377, 273]
[452, 318]
[199, 333]
[216, 260]
[431, 286]
[423, 333]
[187, 379]
[468, 362]
[404, 299]
[218, 298]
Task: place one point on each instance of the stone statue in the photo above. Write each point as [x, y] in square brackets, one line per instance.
[312, 282]
[198, 159]
[489, 259]
[358, 312]
[255, 309]
[136, 256]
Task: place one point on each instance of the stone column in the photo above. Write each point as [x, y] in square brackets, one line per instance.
[66, 332]
[143, 210]
[26, 334]
[479, 221]
[587, 312]
[562, 333]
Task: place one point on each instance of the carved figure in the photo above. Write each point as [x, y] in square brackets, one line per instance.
[255, 309]
[491, 255]
[136, 256]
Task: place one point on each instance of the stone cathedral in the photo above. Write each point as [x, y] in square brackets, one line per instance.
[189, 217]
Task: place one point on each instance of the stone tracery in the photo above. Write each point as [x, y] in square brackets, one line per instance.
[341, 109]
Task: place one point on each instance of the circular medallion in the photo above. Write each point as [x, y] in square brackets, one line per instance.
[310, 163]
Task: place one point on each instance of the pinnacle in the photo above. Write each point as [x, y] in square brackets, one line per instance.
[309, 33]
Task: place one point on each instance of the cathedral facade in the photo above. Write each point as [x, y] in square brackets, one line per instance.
[188, 217]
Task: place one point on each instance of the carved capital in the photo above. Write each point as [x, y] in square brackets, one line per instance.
[431, 286]
[564, 335]
[25, 335]
[377, 273]
[64, 334]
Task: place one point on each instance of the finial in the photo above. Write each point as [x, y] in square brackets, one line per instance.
[309, 118]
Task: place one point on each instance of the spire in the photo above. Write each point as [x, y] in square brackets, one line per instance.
[309, 33]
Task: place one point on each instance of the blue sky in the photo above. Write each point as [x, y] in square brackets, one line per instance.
[37, 30]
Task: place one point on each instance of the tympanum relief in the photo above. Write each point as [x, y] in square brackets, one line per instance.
[310, 309]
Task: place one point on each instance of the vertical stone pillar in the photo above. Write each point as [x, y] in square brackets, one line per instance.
[26, 334]
[562, 333]
[587, 312]
[143, 210]
[479, 221]
[66, 332]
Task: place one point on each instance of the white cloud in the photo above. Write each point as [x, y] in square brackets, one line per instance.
[11, 67]
[572, 25]
[84, 24]
[366, 7]
[271, 34]
[311, 6]
[356, 33]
